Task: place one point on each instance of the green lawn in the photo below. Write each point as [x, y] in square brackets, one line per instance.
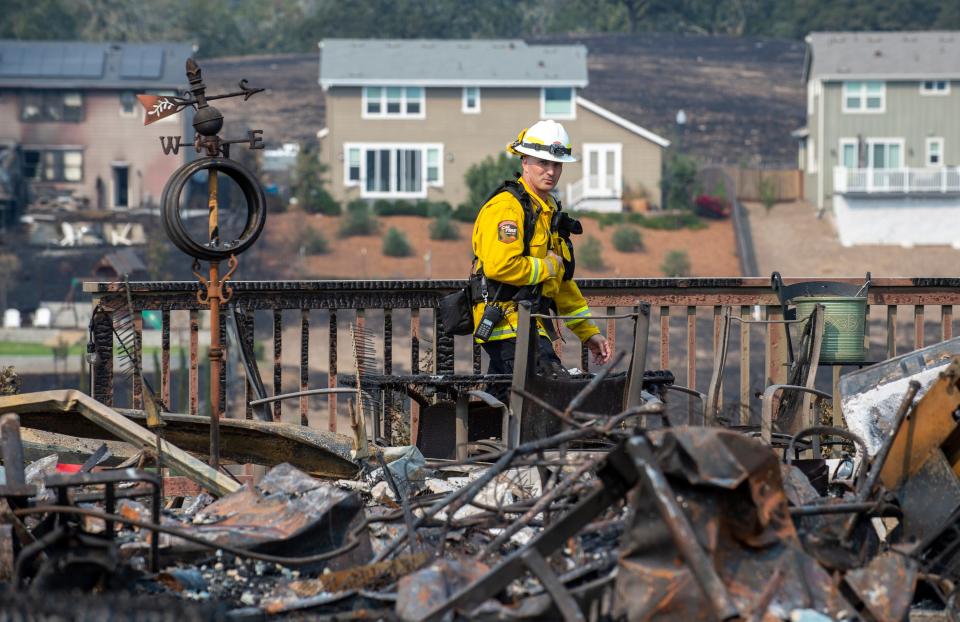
[15, 348]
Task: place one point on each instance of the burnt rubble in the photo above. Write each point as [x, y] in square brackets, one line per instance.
[616, 516]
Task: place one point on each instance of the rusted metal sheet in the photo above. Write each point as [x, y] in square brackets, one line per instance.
[885, 586]
[287, 512]
[734, 500]
[422, 591]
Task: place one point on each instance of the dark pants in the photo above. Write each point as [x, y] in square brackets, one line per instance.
[501, 355]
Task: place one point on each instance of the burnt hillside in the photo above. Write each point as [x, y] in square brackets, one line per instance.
[742, 96]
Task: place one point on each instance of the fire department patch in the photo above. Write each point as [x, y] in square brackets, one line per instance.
[507, 231]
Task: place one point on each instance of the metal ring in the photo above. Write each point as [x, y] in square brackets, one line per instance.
[252, 193]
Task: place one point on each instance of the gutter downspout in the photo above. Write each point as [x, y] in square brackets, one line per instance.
[820, 93]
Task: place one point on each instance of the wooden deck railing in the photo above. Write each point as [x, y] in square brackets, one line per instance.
[685, 328]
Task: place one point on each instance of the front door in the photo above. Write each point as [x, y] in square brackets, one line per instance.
[602, 170]
[121, 186]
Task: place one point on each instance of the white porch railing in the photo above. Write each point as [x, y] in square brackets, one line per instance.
[592, 187]
[896, 180]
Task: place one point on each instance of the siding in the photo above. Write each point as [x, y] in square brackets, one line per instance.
[469, 138]
[908, 115]
[106, 136]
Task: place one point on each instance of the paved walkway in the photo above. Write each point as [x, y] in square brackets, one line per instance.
[792, 240]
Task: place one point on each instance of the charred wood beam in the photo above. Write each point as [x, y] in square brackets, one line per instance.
[317, 452]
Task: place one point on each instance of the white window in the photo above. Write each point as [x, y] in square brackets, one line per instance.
[393, 171]
[849, 153]
[885, 153]
[866, 96]
[934, 152]
[352, 168]
[471, 99]
[393, 102]
[935, 87]
[434, 167]
[128, 104]
[557, 103]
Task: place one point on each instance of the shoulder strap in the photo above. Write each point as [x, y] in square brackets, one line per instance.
[517, 191]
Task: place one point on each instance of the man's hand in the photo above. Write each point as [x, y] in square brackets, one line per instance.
[553, 263]
[600, 347]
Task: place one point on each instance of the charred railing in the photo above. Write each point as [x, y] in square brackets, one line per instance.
[686, 324]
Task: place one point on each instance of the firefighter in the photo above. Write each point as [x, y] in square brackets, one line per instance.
[521, 241]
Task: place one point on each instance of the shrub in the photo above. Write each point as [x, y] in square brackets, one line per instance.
[590, 254]
[435, 209]
[466, 212]
[395, 244]
[768, 192]
[314, 242]
[677, 220]
[443, 228]
[358, 220]
[383, 207]
[712, 206]
[676, 263]
[627, 239]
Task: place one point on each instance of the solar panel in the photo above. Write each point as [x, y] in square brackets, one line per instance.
[142, 62]
[11, 59]
[92, 65]
[51, 61]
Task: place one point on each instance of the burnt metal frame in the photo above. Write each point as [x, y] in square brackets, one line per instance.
[523, 362]
[672, 297]
[62, 483]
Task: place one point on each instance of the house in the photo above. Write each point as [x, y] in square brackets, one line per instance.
[407, 118]
[882, 141]
[70, 108]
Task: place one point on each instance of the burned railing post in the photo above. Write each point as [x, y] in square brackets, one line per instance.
[215, 291]
[101, 358]
[638, 362]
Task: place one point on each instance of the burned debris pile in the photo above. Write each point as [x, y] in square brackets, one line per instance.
[615, 516]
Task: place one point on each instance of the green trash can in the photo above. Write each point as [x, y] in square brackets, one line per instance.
[844, 323]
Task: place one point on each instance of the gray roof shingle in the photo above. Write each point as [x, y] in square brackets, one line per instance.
[435, 62]
[888, 55]
[70, 64]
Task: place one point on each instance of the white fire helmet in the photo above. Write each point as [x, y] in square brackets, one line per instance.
[546, 140]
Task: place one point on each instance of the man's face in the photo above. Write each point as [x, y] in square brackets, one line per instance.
[542, 175]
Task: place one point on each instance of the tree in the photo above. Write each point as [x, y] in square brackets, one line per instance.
[484, 177]
[679, 182]
[9, 266]
[309, 184]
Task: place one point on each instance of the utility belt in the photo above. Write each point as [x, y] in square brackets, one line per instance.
[488, 290]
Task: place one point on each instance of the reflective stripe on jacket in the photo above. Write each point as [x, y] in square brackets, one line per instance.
[498, 245]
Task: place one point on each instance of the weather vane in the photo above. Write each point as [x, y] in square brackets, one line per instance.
[214, 290]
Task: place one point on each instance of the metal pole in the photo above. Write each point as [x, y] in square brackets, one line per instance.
[213, 292]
